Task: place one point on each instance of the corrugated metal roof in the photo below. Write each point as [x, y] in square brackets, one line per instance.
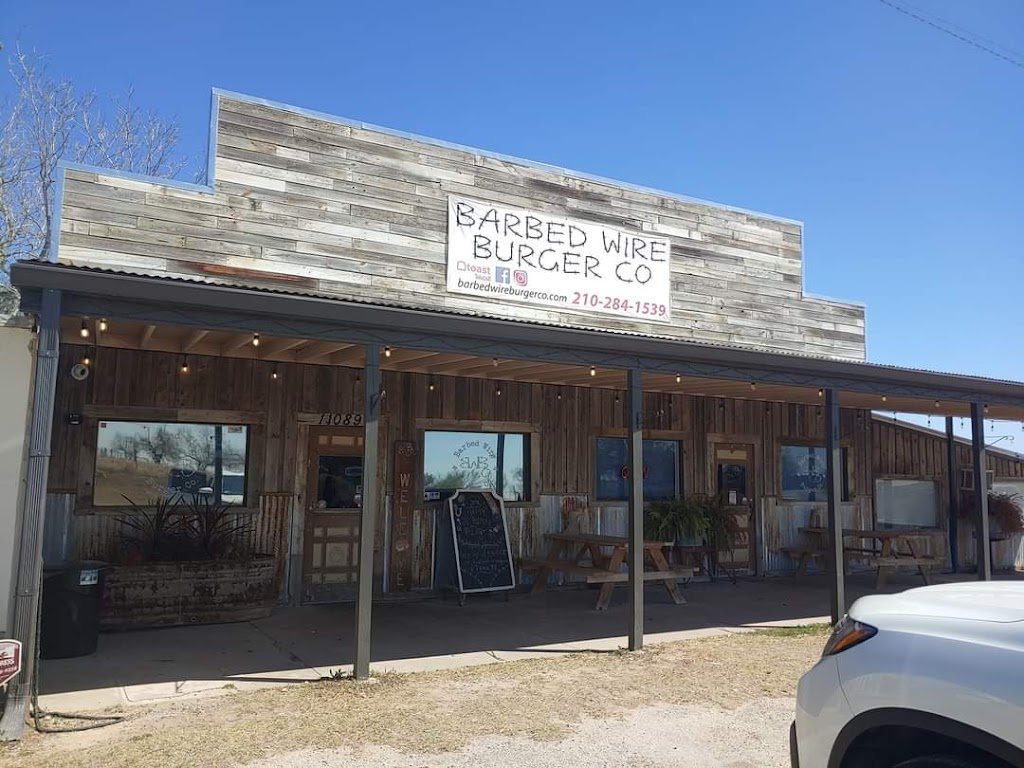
[253, 285]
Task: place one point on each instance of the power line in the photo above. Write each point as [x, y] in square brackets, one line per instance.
[949, 29]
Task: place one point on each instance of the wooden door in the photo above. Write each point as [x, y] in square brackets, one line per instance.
[734, 479]
[334, 485]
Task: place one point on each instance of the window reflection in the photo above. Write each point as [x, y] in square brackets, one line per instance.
[144, 461]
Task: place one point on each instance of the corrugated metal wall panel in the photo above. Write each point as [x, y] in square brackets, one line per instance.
[57, 533]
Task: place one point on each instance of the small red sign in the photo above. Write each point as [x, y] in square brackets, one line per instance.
[10, 659]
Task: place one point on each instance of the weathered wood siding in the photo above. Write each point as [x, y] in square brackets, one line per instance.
[903, 451]
[148, 385]
[340, 210]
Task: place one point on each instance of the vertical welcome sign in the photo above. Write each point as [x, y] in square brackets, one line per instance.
[401, 516]
[513, 254]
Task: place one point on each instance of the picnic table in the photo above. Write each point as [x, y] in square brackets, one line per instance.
[589, 556]
[893, 548]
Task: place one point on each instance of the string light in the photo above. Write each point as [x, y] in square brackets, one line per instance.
[885, 399]
[593, 371]
[679, 379]
[430, 386]
[494, 362]
[184, 364]
[559, 396]
[937, 404]
[255, 339]
[84, 330]
[497, 391]
[387, 351]
[616, 398]
[86, 360]
[986, 410]
[273, 374]
[753, 386]
[821, 393]
[103, 325]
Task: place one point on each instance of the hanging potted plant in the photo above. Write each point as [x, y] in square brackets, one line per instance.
[1005, 513]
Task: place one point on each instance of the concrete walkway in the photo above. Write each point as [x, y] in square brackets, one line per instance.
[306, 644]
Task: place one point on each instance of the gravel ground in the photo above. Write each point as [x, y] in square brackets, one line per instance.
[754, 736]
[719, 701]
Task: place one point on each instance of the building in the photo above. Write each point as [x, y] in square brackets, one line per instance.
[347, 312]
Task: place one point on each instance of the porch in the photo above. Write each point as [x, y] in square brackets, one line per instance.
[308, 643]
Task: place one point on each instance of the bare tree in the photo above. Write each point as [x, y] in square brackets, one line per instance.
[48, 120]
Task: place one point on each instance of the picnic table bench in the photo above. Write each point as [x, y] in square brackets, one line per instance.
[590, 559]
[895, 548]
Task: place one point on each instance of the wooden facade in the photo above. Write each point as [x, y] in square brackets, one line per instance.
[564, 422]
[317, 206]
[342, 210]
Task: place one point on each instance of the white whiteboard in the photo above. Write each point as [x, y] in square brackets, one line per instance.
[906, 502]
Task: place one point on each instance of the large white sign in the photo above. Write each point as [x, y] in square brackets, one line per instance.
[514, 254]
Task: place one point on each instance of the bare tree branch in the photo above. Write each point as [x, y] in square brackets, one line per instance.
[48, 120]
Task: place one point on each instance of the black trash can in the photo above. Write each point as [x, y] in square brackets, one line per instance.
[72, 598]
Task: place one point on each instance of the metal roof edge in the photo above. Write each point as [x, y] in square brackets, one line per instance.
[668, 352]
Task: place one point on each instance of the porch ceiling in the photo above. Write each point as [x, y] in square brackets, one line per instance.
[130, 334]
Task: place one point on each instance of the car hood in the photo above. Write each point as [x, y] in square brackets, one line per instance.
[1001, 602]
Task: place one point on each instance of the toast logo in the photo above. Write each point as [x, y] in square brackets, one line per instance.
[520, 276]
[502, 275]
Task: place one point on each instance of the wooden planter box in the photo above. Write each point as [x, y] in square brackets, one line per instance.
[170, 594]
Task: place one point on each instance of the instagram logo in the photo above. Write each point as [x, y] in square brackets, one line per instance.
[520, 276]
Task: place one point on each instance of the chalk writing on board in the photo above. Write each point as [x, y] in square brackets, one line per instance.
[482, 553]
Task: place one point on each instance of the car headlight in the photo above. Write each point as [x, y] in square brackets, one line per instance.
[847, 634]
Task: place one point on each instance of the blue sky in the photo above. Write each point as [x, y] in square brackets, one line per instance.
[899, 147]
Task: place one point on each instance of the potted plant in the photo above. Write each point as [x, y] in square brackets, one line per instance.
[186, 563]
[677, 521]
[1005, 513]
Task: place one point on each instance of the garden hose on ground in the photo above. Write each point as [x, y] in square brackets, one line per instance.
[88, 721]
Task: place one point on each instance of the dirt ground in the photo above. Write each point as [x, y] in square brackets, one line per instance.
[729, 683]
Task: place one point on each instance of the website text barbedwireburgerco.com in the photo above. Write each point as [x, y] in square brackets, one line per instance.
[508, 290]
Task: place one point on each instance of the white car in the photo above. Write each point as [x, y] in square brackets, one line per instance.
[928, 678]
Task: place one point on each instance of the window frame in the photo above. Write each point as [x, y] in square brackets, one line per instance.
[81, 485]
[848, 484]
[672, 437]
[531, 434]
[939, 503]
[89, 478]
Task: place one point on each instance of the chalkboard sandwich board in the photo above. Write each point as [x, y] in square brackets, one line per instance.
[483, 557]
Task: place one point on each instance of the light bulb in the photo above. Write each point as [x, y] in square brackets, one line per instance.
[387, 351]
[255, 339]
[593, 371]
[84, 331]
[103, 324]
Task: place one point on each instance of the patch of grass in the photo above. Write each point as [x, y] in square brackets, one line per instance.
[803, 630]
[442, 711]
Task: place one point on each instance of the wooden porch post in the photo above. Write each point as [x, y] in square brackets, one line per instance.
[30, 552]
[954, 495]
[834, 464]
[980, 462]
[636, 511]
[368, 516]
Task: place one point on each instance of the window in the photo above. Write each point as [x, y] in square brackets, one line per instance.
[906, 503]
[144, 461]
[661, 469]
[805, 473]
[495, 460]
[339, 482]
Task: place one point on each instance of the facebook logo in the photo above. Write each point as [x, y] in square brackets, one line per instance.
[502, 275]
